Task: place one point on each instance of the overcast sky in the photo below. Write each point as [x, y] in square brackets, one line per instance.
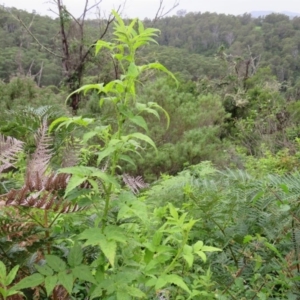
[147, 8]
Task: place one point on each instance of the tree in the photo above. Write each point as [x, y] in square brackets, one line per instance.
[77, 45]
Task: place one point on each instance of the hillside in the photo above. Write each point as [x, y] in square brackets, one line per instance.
[273, 40]
[124, 178]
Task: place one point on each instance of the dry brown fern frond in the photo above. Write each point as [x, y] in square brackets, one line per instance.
[42, 189]
[40, 159]
[61, 293]
[134, 183]
[13, 228]
[9, 148]
[19, 234]
[292, 263]
[51, 182]
[43, 199]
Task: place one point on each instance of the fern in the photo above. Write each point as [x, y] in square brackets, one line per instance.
[134, 183]
[40, 159]
[9, 148]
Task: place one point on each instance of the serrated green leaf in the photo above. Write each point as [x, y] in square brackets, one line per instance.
[201, 254]
[75, 256]
[144, 108]
[102, 44]
[55, 263]
[84, 273]
[105, 177]
[160, 282]
[188, 255]
[156, 106]
[12, 292]
[210, 249]
[73, 183]
[173, 211]
[151, 282]
[198, 246]
[141, 27]
[44, 270]
[134, 292]
[50, 283]
[157, 237]
[109, 249]
[85, 89]
[80, 171]
[160, 67]
[122, 295]
[87, 136]
[116, 233]
[107, 151]
[144, 138]
[127, 159]
[2, 270]
[29, 282]
[11, 276]
[139, 121]
[133, 70]
[177, 280]
[92, 236]
[67, 121]
[56, 122]
[3, 292]
[133, 208]
[66, 280]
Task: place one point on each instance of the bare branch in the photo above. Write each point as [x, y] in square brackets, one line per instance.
[160, 11]
[86, 9]
[33, 36]
[74, 19]
[53, 12]
[109, 21]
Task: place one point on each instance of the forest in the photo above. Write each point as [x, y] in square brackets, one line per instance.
[149, 159]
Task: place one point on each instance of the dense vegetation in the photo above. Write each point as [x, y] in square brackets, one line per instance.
[176, 177]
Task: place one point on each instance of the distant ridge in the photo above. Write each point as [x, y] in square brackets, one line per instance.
[256, 14]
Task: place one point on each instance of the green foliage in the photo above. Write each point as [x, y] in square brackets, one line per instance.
[83, 228]
[128, 249]
[194, 132]
[280, 163]
[55, 271]
[254, 222]
[6, 280]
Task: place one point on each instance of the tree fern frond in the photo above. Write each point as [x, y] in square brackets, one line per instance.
[9, 148]
[43, 199]
[42, 112]
[40, 159]
[12, 227]
[134, 183]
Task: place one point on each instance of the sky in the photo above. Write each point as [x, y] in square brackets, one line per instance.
[147, 8]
